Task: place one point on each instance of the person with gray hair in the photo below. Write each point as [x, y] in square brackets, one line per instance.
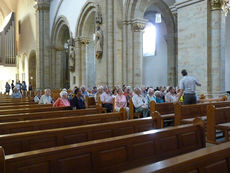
[62, 101]
[150, 96]
[158, 97]
[46, 98]
[107, 99]
[84, 92]
[16, 94]
[140, 103]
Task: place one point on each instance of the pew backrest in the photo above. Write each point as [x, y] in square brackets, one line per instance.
[32, 125]
[195, 110]
[210, 160]
[111, 154]
[162, 108]
[23, 142]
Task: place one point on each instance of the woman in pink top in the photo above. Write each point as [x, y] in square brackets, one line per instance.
[62, 101]
[121, 102]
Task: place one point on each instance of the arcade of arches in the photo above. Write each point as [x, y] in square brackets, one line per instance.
[62, 44]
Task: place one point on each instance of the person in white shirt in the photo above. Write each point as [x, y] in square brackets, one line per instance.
[37, 96]
[46, 98]
[107, 99]
[140, 103]
[171, 96]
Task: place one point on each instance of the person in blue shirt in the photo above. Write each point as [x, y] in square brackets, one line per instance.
[84, 92]
[158, 97]
[16, 94]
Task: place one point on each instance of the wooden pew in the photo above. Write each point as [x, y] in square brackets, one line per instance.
[132, 113]
[48, 115]
[30, 110]
[90, 102]
[161, 112]
[17, 103]
[111, 154]
[185, 114]
[214, 159]
[217, 119]
[24, 106]
[32, 125]
[22, 142]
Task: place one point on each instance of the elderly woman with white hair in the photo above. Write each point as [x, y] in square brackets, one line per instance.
[150, 96]
[62, 101]
[158, 97]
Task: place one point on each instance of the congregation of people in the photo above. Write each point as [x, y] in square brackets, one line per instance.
[141, 97]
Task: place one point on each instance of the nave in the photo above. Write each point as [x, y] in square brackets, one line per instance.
[42, 138]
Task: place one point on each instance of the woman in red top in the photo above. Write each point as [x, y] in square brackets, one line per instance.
[62, 101]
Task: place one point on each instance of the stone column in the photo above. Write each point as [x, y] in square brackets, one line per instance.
[138, 26]
[217, 59]
[42, 44]
[84, 42]
[78, 61]
[58, 66]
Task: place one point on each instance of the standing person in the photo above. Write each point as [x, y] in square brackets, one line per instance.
[12, 85]
[24, 88]
[188, 87]
[7, 86]
[30, 89]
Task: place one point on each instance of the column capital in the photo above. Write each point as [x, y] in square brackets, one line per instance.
[138, 25]
[84, 40]
[42, 5]
[216, 4]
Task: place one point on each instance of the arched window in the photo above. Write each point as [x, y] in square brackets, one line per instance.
[149, 40]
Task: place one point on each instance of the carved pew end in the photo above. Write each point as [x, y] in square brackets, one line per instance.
[2, 160]
[199, 121]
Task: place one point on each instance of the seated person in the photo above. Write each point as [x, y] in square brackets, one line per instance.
[84, 92]
[62, 101]
[121, 102]
[171, 96]
[139, 102]
[150, 96]
[94, 91]
[16, 94]
[107, 99]
[158, 97]
[129, 94]
[78, 101]
[37, 96]
[46, 98]
[99, 92]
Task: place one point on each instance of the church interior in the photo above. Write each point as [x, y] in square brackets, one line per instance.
[114, 86]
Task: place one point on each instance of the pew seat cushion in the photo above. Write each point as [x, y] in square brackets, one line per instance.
[190, 120]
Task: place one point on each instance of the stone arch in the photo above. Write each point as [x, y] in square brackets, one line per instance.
[86, 71]
[60, 69]
[32, 68]
[135, 11]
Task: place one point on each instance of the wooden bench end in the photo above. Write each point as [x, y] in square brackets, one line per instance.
[2, 160]
[199, 121]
